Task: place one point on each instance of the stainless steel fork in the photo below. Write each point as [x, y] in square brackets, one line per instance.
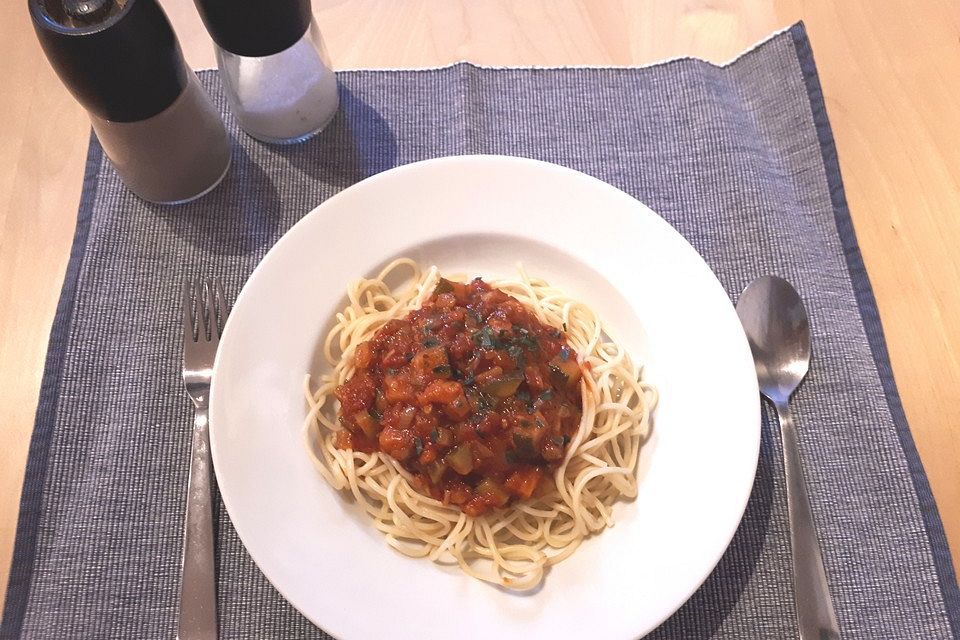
[204, 313]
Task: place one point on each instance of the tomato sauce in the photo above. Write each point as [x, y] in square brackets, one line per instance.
[471, 393]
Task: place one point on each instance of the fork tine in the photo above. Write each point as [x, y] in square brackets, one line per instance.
[221, 305]
[200, 309]
[210, 309]
[188, 317]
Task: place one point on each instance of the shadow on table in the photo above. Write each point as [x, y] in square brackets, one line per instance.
[705, 611]
[357, 144]
[238, 217]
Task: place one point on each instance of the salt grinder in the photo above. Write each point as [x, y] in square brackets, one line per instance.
[121, 60]
[273, 65]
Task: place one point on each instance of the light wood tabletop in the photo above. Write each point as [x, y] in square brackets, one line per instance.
[891, 76]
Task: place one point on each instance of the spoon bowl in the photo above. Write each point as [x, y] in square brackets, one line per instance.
[778, 330]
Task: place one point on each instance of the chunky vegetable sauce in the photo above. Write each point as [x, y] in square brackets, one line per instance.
[471, 393]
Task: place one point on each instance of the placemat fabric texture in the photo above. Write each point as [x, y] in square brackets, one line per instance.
[739, 158]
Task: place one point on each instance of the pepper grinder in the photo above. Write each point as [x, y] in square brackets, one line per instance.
[121, 60]
[273, 65]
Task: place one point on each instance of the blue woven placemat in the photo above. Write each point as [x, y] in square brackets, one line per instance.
[740, 159]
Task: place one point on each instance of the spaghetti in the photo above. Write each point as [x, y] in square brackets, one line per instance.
[510, 546]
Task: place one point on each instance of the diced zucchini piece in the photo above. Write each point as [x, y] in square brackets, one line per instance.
[523, 446]
[565, 372]
[435, 470]
[444, 437]
[443, 286]
[461, 459]
[492, 492]
[432, 358]
[504, 386]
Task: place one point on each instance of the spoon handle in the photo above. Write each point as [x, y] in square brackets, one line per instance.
[815, 616]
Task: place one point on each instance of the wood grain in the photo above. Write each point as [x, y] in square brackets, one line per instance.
[891, 77]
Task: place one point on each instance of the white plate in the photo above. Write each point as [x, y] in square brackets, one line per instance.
[481, 215]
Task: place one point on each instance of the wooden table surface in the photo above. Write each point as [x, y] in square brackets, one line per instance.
[891, 76]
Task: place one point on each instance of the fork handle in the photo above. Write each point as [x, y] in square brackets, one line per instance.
[198, 595]
[815, 616]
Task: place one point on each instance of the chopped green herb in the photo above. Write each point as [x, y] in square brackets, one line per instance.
[417, 445]
[541, 424]
[391, 372]
[523, 396]
[469, 380]
[564, 353]
[431, 342]
[442, 370]
[434, 435]
[557, 440]
[485, 339]
[546, 395]
[376, 414]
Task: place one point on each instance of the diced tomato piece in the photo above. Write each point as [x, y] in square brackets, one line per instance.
[397, 389]
[461, 346]
[441, 392]
[425, 423]
[523, 482]
[457, 493]
[476, 507]
[429, 454]
[458, 408]
[490, 425]
[499, 325]
[354, 440]
[357, 393]
[363, 356]
[535, 378]
[465, 432]
[551, 450]
[396, 443]
[445, 301]
[343, 440]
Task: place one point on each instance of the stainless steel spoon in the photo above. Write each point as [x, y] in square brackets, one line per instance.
[777, 328]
